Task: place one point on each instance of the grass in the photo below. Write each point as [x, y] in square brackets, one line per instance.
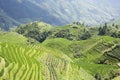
[12, 37]
[92, 68]
[53, 59]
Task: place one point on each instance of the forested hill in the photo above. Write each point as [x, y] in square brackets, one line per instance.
[40, 31]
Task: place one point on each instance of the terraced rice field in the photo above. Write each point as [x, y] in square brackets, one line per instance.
[48, 62]
[23, 62]
[18, 63]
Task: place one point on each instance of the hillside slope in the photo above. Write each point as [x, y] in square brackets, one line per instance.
[39, 51]
[55, 59]
[37, 63]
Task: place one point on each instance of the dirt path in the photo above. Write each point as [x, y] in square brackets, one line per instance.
[108, 49]
[67, 72]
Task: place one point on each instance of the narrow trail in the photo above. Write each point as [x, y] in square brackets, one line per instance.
[67, 72]
[109, 49]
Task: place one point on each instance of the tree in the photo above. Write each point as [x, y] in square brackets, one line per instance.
[113, 24]
[117, 27]
[102, 30]
[36, 34]
[85, 35]
[98, 76]
[114, 35]
[63, 34]
[76, 50]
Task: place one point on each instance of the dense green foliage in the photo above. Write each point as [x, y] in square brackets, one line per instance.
[110, 30]
[36, 30]
[75, 31]
[40, 31]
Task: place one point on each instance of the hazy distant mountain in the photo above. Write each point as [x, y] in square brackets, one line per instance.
[88, 11]
[58, 12]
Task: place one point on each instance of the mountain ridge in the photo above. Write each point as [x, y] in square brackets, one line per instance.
[60, 12]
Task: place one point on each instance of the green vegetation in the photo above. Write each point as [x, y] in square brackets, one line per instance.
[71, 52]
[37, 30]
[110, 30]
